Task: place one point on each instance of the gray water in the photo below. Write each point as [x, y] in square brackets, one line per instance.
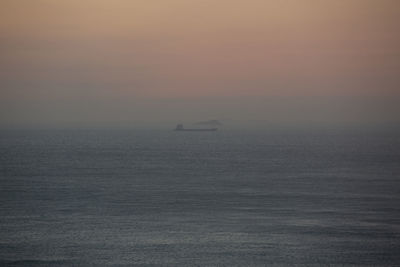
[227, 198]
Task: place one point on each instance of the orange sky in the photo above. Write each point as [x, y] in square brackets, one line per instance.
[113, 49]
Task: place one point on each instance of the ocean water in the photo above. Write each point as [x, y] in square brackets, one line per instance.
[229, 198]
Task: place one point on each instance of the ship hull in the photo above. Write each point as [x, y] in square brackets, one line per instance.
[196, 130]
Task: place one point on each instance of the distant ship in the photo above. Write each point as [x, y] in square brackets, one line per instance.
[179, 127]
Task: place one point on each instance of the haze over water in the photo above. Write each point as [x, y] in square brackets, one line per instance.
[124, 63]
[305, 169]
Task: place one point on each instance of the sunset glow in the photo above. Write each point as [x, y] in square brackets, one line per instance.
[105, 51]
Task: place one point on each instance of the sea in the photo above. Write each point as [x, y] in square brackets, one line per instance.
[155, 197]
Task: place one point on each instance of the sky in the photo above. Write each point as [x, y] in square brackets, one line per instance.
[160, 62]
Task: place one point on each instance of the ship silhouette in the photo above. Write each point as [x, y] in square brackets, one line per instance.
[180, 128]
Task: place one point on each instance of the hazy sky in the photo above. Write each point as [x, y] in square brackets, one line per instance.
[123, 62]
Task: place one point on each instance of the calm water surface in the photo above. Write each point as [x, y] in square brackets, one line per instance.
[228, 198]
